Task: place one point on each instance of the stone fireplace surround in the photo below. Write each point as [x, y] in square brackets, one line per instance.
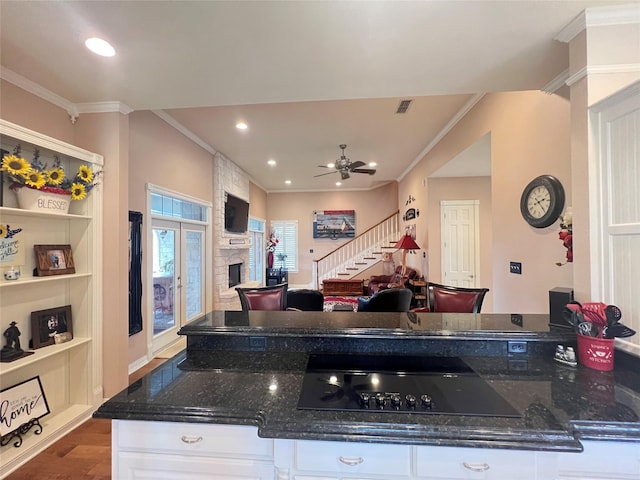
[228, 248]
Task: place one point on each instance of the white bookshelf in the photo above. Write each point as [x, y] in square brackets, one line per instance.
[71, 372]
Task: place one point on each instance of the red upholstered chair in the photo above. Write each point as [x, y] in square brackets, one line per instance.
[445, 298]
[263, 298]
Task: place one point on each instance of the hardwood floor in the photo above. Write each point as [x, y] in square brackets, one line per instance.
[83, 454]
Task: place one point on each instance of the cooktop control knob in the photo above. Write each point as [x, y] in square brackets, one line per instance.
[411, 400]
[395, 400]
[364, 399]
[426, 400]
[380, 400]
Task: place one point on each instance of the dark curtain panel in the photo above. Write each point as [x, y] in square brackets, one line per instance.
[135, 272]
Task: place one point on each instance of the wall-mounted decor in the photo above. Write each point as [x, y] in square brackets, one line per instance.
[11, 246]
[22, 405]
[135, 272]
[46, 324]
[53, 260]
[334, 224]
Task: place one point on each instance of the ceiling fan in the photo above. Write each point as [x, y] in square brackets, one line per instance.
[346, 166]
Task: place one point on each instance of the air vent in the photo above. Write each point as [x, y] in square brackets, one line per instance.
[404, 106]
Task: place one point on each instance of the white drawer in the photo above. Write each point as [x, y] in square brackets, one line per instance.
[345, 457]
[191, 439]
[481, 463]
[619, 460]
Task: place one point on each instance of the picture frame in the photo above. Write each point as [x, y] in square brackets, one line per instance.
[53, 260]
[25, 403]
[334, 224]
[46, 324]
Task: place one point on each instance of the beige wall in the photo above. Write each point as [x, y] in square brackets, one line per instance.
[370, 207]
[530, 136]
[162, 156]
[257, 201]
[462, 188]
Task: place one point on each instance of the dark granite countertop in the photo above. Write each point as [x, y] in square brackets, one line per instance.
[248, 370]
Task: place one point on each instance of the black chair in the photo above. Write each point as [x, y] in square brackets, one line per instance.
[449, 299]
[305, 299]
[263, 298]
[389, 300]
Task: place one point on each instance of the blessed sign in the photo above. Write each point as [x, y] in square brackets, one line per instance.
[20, 404]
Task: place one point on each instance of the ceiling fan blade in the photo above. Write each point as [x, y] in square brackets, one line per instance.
[357, 164]
[324, 166]
[323, 174]
[370, 171]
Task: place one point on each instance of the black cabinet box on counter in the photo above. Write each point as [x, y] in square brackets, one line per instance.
[558, 298]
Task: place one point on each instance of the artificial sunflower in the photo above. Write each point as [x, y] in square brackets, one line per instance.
[85, 174]
[55, 176]
[78, 192]
[15, 165]
[34, 178]
[3, 231]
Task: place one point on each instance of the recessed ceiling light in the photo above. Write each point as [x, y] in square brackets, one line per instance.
[338, 184]
[241, 126]
[271, 162]
[288, 182]
[331, 165]
[372, 164]
[100, 47]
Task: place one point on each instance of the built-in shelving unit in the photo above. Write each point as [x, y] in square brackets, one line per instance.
[71, 372]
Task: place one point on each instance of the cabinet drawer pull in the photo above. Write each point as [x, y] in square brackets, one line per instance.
[351, 461]
[476, 467]
[190, 440]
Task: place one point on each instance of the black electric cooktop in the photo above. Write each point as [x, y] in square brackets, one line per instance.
[411, 384]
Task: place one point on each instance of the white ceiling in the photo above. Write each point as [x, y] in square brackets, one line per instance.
[305, 75]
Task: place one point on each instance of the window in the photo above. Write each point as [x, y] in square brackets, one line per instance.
[287, 232]
[256, 250]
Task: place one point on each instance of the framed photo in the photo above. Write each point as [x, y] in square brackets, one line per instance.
[46, 324]
[53, 260]
[24, 402]
[334, 224]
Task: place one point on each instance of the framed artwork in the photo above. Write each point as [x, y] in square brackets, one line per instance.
[334, 224]
[53, 260]
[23, 404]
[46, 324]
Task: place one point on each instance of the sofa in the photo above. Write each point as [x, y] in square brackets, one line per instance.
[380, 282]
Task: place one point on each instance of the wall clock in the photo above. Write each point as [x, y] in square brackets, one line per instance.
[542, 201]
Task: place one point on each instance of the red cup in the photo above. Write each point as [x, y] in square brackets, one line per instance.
[596, 353]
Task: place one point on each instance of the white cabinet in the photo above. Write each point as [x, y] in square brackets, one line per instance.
[71, 373]
[601, 461]
[176, 451]
[454, 463]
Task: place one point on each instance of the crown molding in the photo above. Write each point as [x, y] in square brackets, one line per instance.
[184, 130]
[446, 129]
[556, 83]
[104, 107]
[598, 17]
[602, 70]
[38, 90]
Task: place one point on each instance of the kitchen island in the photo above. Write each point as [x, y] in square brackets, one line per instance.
[229, 403]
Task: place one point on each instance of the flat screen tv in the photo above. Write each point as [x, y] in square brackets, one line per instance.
[236, 214]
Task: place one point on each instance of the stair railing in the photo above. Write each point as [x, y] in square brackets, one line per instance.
[358, 254]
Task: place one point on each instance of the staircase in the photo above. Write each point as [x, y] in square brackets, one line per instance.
[357, 255]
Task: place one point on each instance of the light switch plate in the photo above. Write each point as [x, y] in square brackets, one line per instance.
[515, 267]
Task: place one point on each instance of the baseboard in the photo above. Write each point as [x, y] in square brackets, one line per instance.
[138, 364]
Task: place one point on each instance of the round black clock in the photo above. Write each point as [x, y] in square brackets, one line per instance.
[542, 201]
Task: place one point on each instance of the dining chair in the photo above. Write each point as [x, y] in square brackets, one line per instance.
[273, 297]
[450, 299]
[305, 299]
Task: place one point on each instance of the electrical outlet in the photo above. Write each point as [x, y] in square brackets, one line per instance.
[515, 267]
[517, 347]
[258, 344]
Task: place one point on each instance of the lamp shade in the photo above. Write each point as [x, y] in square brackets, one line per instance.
[407, 243]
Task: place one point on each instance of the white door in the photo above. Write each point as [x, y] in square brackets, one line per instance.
[460, 243]
[178, 278]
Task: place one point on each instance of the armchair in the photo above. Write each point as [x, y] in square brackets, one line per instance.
[445, 298]
[305, 299]
[389, 300]
[380, 282]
